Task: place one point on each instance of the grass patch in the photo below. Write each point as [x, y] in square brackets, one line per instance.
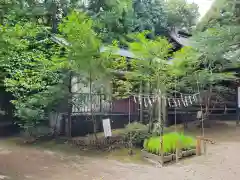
[123, 156]
[116, 154]
[60, 146]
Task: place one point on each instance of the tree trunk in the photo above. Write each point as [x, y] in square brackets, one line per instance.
[206, 122]
[54, 17]
[69, 113]
[141, 101]
[237, 105]
[91, 108]
[150, 119]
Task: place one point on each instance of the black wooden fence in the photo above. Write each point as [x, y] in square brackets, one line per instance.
[123, 111]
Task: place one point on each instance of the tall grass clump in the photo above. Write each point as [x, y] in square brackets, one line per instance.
[170, 140]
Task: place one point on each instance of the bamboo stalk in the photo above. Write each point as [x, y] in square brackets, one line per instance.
[161, 126]
[177, 151]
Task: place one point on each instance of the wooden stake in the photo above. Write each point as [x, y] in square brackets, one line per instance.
[162, 151]
[198, 146]
[205, 147]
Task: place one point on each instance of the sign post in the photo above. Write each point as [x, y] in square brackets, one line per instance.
[107, 127]
[199, 115]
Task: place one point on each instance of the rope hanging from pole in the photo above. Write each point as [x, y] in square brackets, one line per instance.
[183, 101]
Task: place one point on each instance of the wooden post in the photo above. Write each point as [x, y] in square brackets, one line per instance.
[198, 146]
[205, 147]
[162, 151]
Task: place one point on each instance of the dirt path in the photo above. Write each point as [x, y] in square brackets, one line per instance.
[21, 163]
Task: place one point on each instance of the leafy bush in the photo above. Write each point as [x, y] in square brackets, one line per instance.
[36, 132]
[169, 143]
[136, 133]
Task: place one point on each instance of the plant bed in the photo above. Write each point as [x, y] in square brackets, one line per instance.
[158, 158]
[171, 141]
[169, 157]
[189, 152]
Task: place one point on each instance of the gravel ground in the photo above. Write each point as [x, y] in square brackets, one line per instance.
[222, 162]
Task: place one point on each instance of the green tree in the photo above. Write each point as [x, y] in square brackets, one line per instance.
[213, 56]
[151, 62]
[222, 12]
[114, 19]
[181, 14]
[150, 68]
[84, 45]
[83, 54]
[28, 70]
[39, 72]
[119, 18]
[48, 12]
[121, 87]
[151, 16]
[207, 64]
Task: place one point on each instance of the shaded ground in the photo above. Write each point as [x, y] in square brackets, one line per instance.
[222, 162]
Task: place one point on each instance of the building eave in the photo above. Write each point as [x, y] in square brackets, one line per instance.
[123, 52]
[183, 41]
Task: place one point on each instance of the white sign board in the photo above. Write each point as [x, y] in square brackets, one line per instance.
[107, 127]
[199, 114]
[238, 97]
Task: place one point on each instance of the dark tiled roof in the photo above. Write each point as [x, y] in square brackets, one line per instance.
[123, 52]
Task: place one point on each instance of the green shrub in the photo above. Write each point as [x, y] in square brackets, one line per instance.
[37, 131]
[137, 133]
[152, 144]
